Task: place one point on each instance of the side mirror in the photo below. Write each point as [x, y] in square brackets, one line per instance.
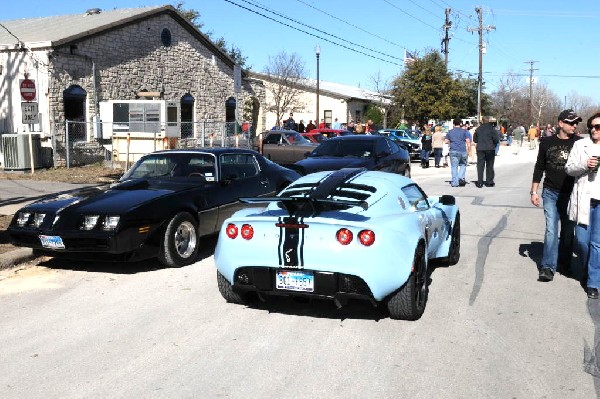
[447, 200]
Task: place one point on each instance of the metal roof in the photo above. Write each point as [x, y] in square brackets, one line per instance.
[56, 30]
[334, 89]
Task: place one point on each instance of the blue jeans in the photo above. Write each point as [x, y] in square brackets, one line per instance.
[557, 249]
[509, 140]
[588, 245]
[437, 153]
[458, 164]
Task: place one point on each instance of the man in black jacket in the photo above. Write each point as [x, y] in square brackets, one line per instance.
[486, 137]
[552, 157]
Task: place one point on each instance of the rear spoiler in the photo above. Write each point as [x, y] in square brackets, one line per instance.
[304, 206]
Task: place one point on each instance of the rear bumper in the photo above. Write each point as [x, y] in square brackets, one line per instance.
[327, 285]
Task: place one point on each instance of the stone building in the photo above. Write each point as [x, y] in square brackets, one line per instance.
[77, 62]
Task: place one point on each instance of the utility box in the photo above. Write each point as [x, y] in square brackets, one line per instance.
[18, 154]
[140, 116]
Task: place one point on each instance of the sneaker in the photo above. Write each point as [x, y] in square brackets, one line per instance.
[546, 274]
[462, 182]
[592, 293]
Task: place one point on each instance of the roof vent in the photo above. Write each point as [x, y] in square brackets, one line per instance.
[93, 11]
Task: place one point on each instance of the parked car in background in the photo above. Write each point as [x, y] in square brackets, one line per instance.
[332, 132]
[160, 208]
[339, 235]
[412, 138]
[373, 152]
[314, 137]
[285, 146]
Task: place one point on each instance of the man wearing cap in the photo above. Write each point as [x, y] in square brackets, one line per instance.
[551, 160]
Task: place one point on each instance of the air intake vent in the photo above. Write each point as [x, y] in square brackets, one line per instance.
[93, 11]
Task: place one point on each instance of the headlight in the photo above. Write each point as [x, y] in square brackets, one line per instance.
[110, 222]
[23, 218]
[38, 219]
[89, 222]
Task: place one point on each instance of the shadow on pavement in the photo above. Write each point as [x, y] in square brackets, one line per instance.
[207, 249]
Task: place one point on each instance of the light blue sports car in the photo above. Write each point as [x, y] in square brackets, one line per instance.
[344, 234]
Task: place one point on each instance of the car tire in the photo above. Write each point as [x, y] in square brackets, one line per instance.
[454, 251]
[180, 243]
[227, 291]
[408, 303]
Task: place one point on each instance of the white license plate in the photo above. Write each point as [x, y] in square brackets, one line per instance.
[295, 281]
[53, 242]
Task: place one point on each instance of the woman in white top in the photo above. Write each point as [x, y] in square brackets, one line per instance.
[584, 204]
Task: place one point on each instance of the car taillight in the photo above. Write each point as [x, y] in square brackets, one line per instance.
[247, 232]
[344, 236]
[231, 230]
[366, 237]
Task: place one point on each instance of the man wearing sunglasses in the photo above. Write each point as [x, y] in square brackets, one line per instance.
[552, 157]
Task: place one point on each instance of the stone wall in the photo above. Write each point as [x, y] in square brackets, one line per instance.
[132, 58]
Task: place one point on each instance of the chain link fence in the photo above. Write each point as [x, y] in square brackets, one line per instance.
[81, 143]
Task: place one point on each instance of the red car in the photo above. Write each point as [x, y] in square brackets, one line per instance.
[314, 136]
[329, 133]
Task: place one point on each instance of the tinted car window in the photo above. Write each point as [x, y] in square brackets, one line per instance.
[272, 138]
[239, 166]
[341, 148]
[381, 147]
[173, 165]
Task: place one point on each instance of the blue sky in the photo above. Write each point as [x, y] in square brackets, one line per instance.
[372, 36]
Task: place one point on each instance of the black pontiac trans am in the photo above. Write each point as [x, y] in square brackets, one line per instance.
[161, 207]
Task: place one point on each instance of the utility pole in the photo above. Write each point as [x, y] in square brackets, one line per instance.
[446, 40]
[531, 69]
[480, 30]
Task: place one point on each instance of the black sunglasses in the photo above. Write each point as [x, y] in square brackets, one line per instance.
[595, 127]
[571, 123]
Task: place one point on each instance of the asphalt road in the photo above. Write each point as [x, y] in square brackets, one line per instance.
[73, 330]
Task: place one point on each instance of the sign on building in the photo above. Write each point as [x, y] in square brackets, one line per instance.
[29, 112]
[27, 89]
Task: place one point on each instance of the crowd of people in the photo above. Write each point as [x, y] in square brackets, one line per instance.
[352, 126]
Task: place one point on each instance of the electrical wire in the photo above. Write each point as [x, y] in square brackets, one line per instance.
[261, 7]
[311, 34]
[351, 24]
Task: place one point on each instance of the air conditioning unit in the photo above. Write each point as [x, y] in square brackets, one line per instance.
[17, 155]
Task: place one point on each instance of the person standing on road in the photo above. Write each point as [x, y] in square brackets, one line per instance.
[310, 126]
[426, 147]
[584, 204]
[437, 143]
[459, 141]
[486, 137]
[532, 133]
[519, 132]
[551, 160]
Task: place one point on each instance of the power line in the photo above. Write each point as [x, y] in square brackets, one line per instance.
[424, 9]
[262, 7]
[412, 16]
[314, 35]
[351, 24]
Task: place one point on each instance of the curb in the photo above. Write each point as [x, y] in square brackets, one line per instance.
[16, 257]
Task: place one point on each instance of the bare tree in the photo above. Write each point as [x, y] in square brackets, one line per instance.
[383, 88]
[286, 77]
[546, 104]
